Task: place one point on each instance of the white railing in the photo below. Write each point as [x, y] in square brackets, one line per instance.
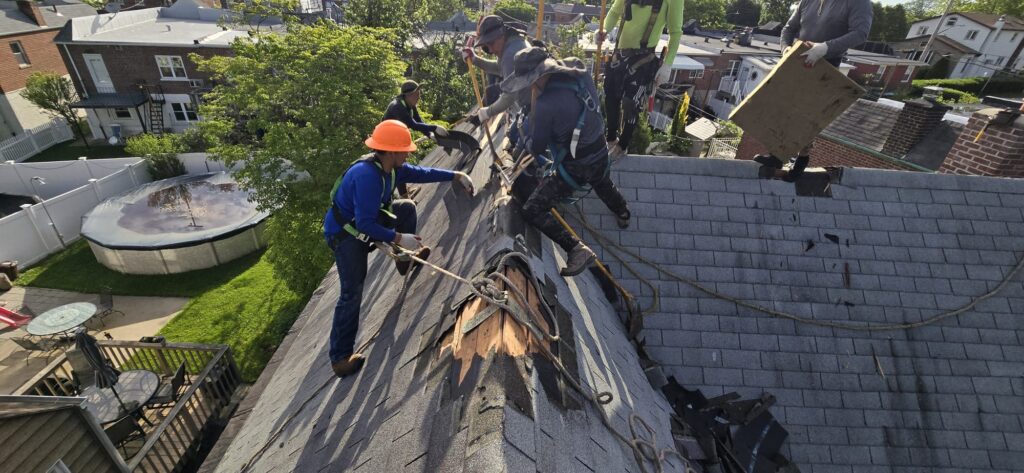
[726, 83]
[35, 140]
[659, 121]
[722, 148]
[38, 230]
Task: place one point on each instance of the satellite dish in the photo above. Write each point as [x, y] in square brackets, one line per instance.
[113, 140]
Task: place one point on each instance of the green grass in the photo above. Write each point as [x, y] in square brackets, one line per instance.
[72, 150]
[251, 313]
[243, 304]
[76, 269]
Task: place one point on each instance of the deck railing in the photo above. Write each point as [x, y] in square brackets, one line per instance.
[212, 378]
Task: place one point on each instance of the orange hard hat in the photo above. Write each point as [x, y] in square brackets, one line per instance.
[391, 135]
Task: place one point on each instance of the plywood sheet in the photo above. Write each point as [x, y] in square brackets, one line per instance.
[794, 103]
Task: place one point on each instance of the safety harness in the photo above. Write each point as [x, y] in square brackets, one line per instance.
[558, 151]
[645, 49]
[384, 216]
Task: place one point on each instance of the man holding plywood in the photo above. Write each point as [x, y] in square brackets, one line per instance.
[829, 28]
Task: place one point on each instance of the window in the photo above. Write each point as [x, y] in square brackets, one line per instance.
[964, 67]
[908, 74]
[971, 35]
[929, 57]
[999, 61]
[171, 67]
[1014, 37]
[19, 54]
[734, 68]
[881, 71]
[122, 113]
[184, 112]
[697, 74]
[922, 31]
[951, 21]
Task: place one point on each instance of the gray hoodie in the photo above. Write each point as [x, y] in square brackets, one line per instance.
[841, 24]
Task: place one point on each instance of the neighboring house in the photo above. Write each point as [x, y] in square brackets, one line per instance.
[886, 72]
[753, 284]
[26, 31]
[53, 435]
[998, 39]
[942, 47]
[133, 69]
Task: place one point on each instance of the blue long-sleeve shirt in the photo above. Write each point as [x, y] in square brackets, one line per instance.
[365, 187]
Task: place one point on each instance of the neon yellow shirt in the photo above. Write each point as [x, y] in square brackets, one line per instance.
[630, 36]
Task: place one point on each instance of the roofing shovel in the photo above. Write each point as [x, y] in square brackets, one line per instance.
[458, 140]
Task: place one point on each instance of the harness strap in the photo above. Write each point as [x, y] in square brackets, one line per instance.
[385, 201]
[558, 152]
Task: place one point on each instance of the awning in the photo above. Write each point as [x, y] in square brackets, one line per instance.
[686, 63]
[112, 101]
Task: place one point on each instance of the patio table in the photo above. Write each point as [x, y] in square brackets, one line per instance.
[61, 319]
[135, 388]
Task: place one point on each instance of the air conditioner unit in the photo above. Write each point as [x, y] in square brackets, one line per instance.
[196, 83]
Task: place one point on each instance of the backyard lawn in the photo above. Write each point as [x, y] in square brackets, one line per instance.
[72, 150]
[242, 303]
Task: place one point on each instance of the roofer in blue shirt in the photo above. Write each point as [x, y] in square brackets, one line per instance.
[567, 130]
[362, 214]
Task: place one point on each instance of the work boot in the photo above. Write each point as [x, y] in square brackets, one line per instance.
[768, 160]
[580, 258]
[616, 152]
[404, 262]
[797, 169]
[348, 366]
[623, 220]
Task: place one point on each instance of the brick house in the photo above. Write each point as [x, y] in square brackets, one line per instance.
[133, 69]
[27, 30]
[888, 73]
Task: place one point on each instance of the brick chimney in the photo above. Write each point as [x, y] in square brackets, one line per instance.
[918, 118]
[30, 9]
[999, 152]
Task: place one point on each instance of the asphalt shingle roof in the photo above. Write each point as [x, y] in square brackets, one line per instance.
[944, 397]
[399, 413]
[866, 123]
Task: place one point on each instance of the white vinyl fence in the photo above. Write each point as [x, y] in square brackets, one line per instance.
[722, 148]
[38, 230]
[35, 140]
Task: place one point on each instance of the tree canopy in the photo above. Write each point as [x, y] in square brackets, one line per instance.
[889, 23]
[516, 9]
[774, 10]
[743, 13]
[54, 94]
[294, 110]
[708, 13]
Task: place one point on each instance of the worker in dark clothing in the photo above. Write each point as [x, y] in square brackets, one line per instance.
[568, 128]
[362, 213]
[830, 28]
[403, 108]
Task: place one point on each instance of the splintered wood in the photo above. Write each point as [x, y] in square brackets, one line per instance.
[499, 332]
[794, 103]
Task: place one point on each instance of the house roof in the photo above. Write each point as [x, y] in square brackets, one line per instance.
[16, 406]
[702, 129]
[987, 19]
[185, 23]
[864, 57]
[55, 12]
[886, 247]
[950, 42]
[932, 150]
[866, 123]
[459, 22]
[411, 408]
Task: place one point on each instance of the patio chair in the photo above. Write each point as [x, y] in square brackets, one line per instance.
[46, 345]
[124, 431]
[106, 306]
[168, 393]
[82, 373]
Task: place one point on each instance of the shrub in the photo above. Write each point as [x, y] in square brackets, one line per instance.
[160, 153]
[641, 136]
[950, 96]
[974, 84]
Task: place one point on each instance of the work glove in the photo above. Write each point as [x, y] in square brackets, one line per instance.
[463, 180]
[664, 74]
[468, 54]
[817, 51]
[440, 131]
[408, 241]
[479, 117]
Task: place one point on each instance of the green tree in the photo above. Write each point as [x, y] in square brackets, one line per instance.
[54, 94]
[294, 110]
[889, 22]
[708, 13]
[774, 10]
[569, 40]
[380, 13]
[921, 9]
[517, 9]
[743, 13]
[160, 153]
[447, 90]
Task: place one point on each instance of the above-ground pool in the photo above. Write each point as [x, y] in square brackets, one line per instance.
[175, 225]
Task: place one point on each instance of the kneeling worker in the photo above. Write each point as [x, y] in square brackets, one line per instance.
[567, 122]
[361, 214]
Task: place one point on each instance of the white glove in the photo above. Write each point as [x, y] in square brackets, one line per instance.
[440, 131]
[462, 179]
[817, 51]
[408, 241]
[483, 114]
[664, 74]
[468, 54]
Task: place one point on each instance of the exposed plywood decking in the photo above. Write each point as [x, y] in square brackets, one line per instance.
[795, 103]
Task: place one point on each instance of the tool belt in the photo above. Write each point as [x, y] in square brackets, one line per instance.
[634, 57]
